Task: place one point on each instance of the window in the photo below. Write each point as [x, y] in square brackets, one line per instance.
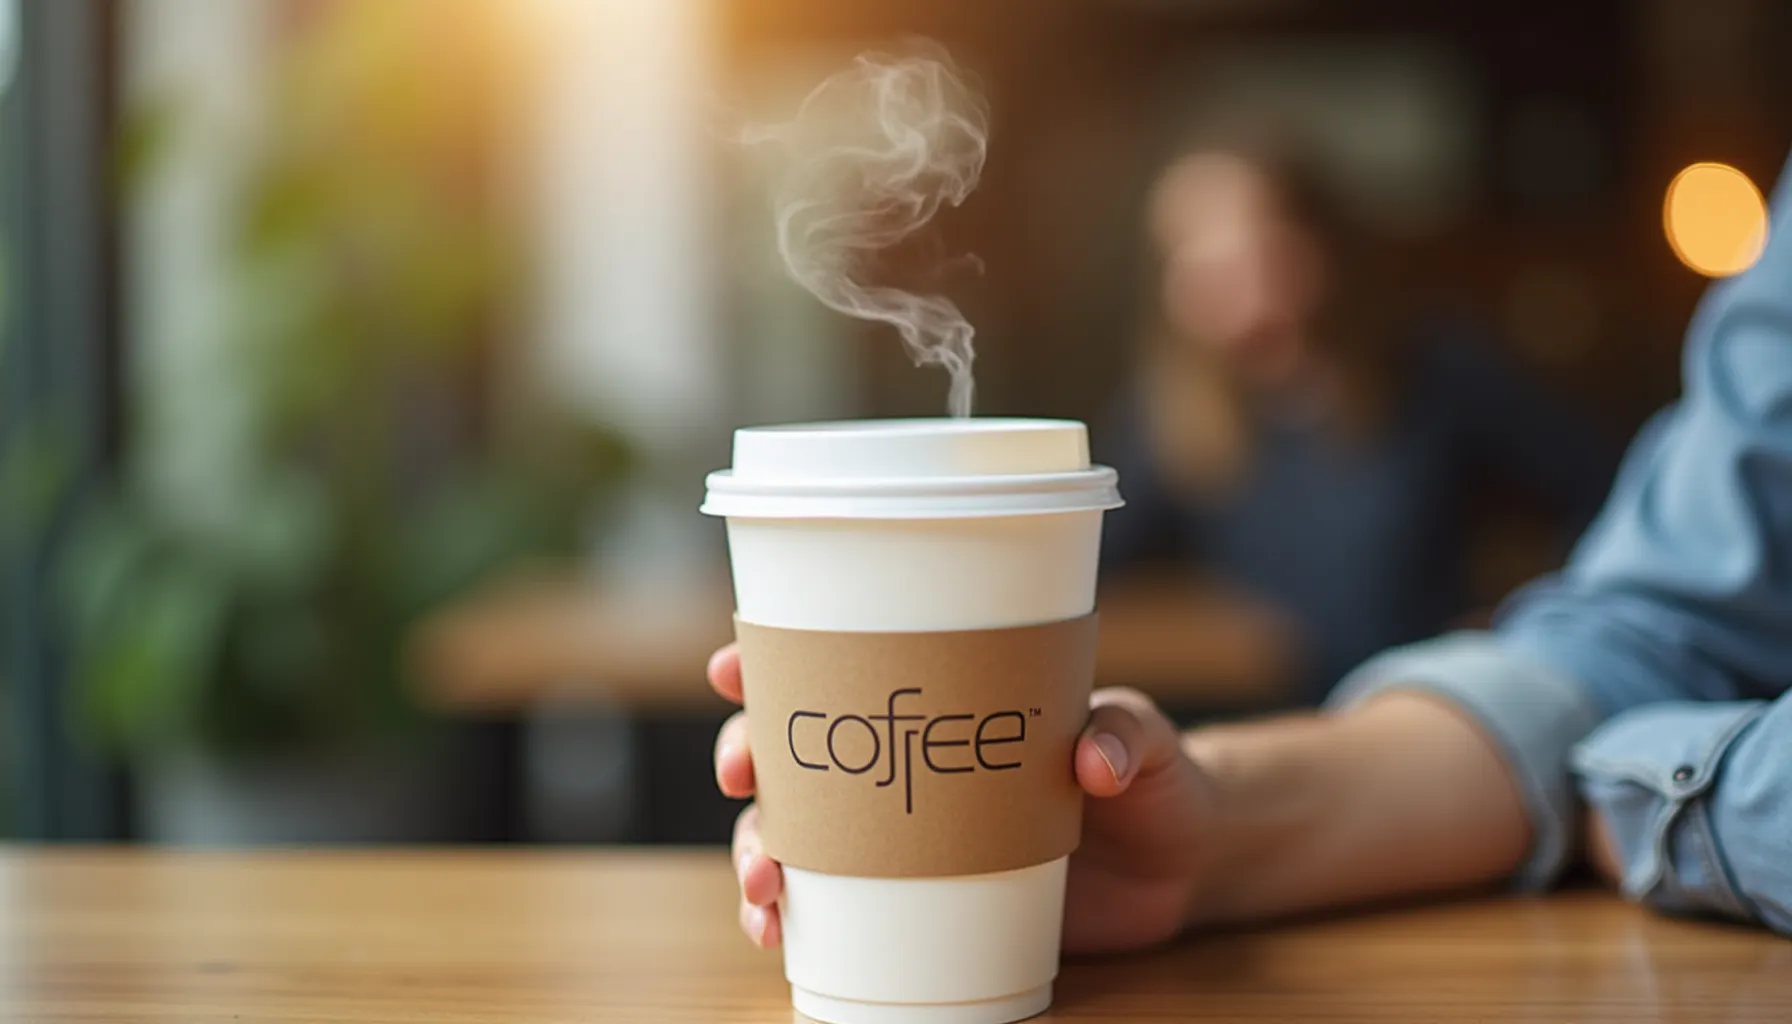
[58, 406]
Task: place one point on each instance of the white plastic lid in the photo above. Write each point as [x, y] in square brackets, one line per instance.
[911, 469]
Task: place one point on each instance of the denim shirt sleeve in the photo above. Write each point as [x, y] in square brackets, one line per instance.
[1649, 676]
[1698, 801]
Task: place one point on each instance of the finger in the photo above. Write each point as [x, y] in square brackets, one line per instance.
[761, 879]
[724, 673]
[753, 922]
[734, 764]
[1126, 736]
[746, 834]
[762, 925]
[761, 882]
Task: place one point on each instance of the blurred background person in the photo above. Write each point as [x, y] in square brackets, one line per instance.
[1291, 439]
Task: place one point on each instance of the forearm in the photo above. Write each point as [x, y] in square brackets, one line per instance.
[1401, 795]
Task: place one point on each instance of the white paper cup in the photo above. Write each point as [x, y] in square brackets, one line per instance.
[907, 526]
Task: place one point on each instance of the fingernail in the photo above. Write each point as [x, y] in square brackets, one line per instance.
[1113, 752]
[744, 865]
[756, 925]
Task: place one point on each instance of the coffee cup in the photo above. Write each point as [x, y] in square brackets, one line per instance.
[915, 607]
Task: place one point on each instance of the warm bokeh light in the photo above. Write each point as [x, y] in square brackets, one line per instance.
[1715, 218]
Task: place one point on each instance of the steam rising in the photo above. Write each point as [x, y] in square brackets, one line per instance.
[870, 157]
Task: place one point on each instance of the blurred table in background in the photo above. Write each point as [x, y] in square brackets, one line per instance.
[596, 689]
[566, 638]
[133, 937]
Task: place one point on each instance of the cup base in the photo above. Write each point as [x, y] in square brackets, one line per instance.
[833, 1010]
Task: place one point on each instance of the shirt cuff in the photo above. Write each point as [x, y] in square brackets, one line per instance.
[1646, 772]
[1532, 714]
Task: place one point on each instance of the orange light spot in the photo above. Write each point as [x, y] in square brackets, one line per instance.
[1715, 219]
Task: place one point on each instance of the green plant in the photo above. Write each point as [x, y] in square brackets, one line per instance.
[379, 474]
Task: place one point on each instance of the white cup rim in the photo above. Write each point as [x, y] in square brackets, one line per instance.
[911, 469]
[1085, 490]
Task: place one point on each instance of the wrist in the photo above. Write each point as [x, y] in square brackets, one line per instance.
[1253, 808]
[1602, 849]
[1215, 854]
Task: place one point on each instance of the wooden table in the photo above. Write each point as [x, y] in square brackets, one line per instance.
[529, 938]
[560, 637]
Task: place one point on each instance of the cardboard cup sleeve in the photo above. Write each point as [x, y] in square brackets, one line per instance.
[900, 755]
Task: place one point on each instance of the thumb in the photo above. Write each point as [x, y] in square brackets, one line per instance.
[1126, 737]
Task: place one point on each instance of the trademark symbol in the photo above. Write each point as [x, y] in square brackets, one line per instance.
[1034, 712]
